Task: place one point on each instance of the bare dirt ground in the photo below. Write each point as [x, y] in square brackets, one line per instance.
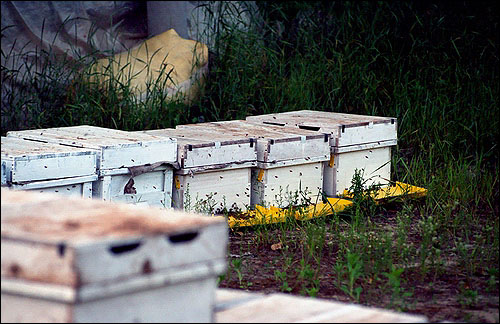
[445, 295]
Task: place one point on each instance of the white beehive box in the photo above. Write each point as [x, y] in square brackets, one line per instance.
[357, 141]
[287, 161]
[215, 169]
[132, 167]
[32, 165]
[66, 259]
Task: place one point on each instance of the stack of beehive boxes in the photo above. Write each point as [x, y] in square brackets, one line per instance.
[131, 167]
[214, 172]
[29, 165]
[218, 166]
[289, 162]
[357, 142]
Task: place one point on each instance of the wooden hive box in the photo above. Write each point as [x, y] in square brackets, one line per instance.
[66, 259]
[289, 163]
[357, 141]
[215, 170]
[32, 165]
[132, 167]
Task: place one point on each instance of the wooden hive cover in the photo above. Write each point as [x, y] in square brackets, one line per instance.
[116, 148]
[26, 161]
[274, 143]
[346, 129]
[197, 149]
[77, 243]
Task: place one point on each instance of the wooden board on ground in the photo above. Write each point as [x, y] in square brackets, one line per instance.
[239, 307]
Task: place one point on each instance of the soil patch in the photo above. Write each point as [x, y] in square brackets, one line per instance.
[260, 261]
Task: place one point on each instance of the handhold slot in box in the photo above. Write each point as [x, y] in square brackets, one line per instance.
[311, 128]
[124, 248]
[271, 123]
[183, 237]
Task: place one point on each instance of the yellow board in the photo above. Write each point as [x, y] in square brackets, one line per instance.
[271, 215]
[262, 215]
[399, 189]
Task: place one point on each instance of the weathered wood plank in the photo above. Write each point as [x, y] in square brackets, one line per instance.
[283, 308]
[273, 143]
[346, 129]
[277, 186]
[197, 148]
[117, 149]
[70, 241]
[228, 188]
[28, 161]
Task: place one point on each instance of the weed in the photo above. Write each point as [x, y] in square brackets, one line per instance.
[354, 272]
[281, 276]
[398, 295]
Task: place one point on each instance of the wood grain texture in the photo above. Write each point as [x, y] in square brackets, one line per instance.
[117, 149]
[28, 161]
[71, 241]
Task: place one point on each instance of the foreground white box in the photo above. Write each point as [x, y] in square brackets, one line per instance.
[30, 165]
[288, 162]
[357, 142]
[132, 167]
[66, 259]
[214, 172]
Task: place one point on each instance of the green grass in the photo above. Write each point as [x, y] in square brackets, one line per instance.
[433, 66]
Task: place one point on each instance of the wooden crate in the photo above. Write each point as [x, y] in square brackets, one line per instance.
[357, 142]
[43, 167]
[132, 167]
[66, 259]
[287, 161]
[214, 170]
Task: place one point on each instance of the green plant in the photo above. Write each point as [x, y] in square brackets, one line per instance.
[281, 277]
[354, 272]
[398, 295]
[467, 297]
[309, 276]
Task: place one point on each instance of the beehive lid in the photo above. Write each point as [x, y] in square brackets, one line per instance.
[197, 148]
[346, 129]
[27, 161]
[274, 143]
[117, 149]
[77, 243]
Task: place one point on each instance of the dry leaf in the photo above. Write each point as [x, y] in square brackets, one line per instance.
[276, 246]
